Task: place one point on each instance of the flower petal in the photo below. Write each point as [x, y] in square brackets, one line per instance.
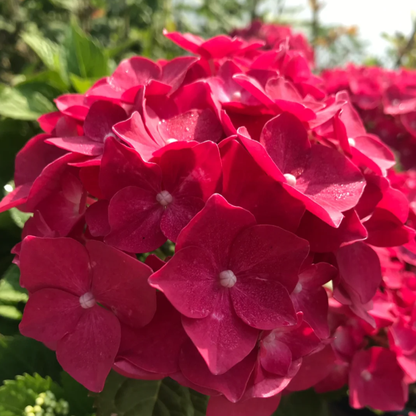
[119, 282]
[50, 314]
[221, 338]
[88, 353]
[60, 263]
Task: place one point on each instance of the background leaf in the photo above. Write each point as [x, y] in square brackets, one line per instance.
[23, 103]
[19, 355]
[85, 58]
[10, 289]
[128, 397]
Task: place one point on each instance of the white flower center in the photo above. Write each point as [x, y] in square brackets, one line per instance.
[291, 180]
[298, 288]
[171, 140]
[351, 142]
[164, 198]
[366, 375]
[227, 278]
[87, 300]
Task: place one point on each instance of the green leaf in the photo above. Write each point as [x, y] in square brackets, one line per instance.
[302, 403]
[81, 85]
[10, 312]
[199, 402]
[20, 355]
[16, 394]
[128, 397]
[10, 290]
[77, 396]
[13, 135]
[19, 217]
[55, 82]
[85, 58]
[23, 103]
[48, 51]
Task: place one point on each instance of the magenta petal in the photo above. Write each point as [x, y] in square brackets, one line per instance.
[330, 183]
[192, 171]
[78, 144]
[311, 299]
[246, 185]
[198, 125]
[323, 238]
[261, 156]
[178, 214]
[49, 180]
[220, 406]
[101, 119]
[119, 282]
[155, 347]
[314, 368]
[72, 105]
[96, 217]
[275, 356]
[15, 198]
[50, 314]
[269, 253]
[262, 304]
[134, 216]
[122, 166]
[286, 141]
[359, 267]
[133, 132]
[191, 286]
[174, 71]
[60, 263]
[48, 121]
[221, 338]
[33, 158]
[376, 380]
[134, 71]
[187, 41]
[264, 384]
[88, 353]
[231, 384]
[129, 370]
[370, 151]
[215, 227]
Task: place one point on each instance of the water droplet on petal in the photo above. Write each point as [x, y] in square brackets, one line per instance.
[171, 140]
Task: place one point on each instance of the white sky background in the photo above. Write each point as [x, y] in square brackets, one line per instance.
[371, 16]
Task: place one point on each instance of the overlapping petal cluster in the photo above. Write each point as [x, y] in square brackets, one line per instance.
[386, 102]
[291, 232]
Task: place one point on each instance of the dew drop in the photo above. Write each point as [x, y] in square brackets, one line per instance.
[351, 142]
[171, 140]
